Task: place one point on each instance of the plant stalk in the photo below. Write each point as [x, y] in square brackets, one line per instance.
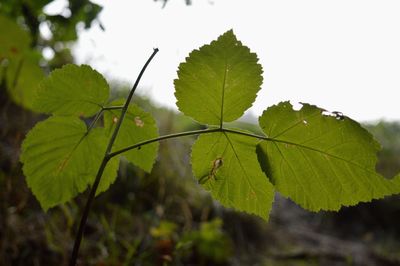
[106, 158]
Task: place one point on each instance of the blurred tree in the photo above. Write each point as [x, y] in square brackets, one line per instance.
[63, 27]
[387, 133]
[28, 32]
[23, 42]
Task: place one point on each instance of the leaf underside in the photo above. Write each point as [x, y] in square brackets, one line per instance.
[321, 162]
[72, 90]
[218, 82]
[137, 126]
[226, 165]
[60, 160]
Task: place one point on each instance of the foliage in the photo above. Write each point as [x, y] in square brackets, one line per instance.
[321, 162]
[21, 42]
[209, 242]
[62, 157]
[318, 159]
[226, 164]
[61, 154]
[218, 82]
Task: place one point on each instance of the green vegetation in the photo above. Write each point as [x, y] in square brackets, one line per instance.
[153, 214]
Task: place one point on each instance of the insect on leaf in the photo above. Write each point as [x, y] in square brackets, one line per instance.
[226, 165]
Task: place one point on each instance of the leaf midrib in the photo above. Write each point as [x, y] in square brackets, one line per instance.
[223, 94]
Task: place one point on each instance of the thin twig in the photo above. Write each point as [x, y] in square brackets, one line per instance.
[113, 107]
[171, 136]
[189, 133]
[106, 158]
[96, 118]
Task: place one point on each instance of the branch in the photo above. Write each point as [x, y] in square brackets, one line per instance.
[106, 158]
[171, 136]
[189, 133]
[113, 107]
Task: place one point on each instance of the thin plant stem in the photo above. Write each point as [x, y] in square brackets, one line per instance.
[189, 133]
[113, 107]
[96, 118]
[106, 158]
[170, 136]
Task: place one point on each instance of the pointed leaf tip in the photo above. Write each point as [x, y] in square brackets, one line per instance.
[219, 81]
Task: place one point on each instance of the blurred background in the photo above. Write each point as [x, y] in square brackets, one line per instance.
[165, 218]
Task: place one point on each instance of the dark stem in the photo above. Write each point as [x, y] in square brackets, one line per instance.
[96, 118]
[171, 136]
[189, 133]
[106, 158]
[113, 107]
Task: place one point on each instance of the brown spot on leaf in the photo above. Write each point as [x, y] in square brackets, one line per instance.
[139, 121]
[115, 120]
[62, 165]
[14, 50]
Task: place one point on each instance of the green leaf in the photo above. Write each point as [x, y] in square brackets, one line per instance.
[60, 160]
[226, 165]
[13, 40]
[20, 67]
[320, 161]
[72, 90]
[218, 82]
[23, 78]
[137, 126]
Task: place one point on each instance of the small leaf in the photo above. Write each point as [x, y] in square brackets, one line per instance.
[219, 81]
[72, 90]
[137, 126]
[60, 160]
[226, 165]
[319, 161]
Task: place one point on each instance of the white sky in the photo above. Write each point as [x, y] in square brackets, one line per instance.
[342, 55]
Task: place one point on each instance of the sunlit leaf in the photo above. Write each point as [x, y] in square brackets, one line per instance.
[60, 159]
[72, 90]
[137, 126]
[319, 161]
[219, 81]
[226, 165]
